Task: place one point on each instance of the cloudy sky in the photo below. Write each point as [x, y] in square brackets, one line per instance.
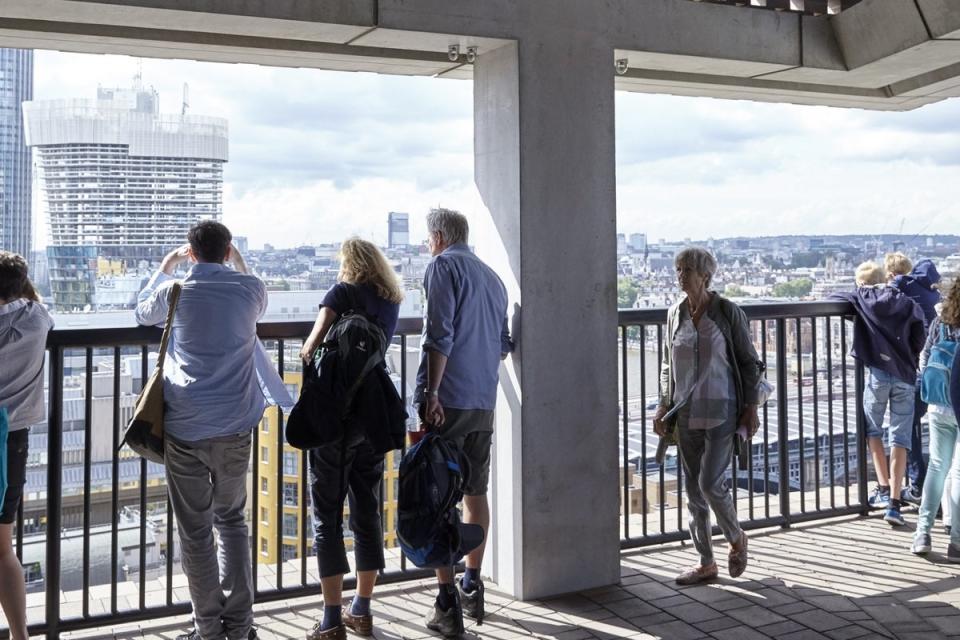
[328, 154]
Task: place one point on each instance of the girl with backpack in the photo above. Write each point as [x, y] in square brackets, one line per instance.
[936, 362]
[366, 285]
[24, 324]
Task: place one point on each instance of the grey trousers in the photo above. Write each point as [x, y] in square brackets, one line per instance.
[706, 455]
[207, 481]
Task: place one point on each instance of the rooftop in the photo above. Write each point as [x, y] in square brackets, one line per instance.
[842, 578]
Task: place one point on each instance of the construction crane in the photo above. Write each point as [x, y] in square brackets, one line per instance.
[186, 100]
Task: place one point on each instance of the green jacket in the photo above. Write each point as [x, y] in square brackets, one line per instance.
[747, 368]
[733, 324]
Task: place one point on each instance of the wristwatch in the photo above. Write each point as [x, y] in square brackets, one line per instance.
[431, 392]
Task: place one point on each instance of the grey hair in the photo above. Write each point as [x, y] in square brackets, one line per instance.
[701, 260]
[451, 224]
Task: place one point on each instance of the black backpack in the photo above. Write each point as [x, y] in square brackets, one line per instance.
[352, 348]
[432, 475]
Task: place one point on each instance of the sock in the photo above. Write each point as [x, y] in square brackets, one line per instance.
[470, 579]
[896, 504]
[447, 597]
[360, 606]
[331, 617]
[884, 488]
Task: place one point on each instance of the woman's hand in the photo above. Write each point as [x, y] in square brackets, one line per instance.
[750, 419]
[659, 427]
[307, 351]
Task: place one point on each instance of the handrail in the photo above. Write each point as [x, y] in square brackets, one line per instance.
[759, 311]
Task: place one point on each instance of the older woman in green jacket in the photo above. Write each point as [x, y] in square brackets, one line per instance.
[708, 390]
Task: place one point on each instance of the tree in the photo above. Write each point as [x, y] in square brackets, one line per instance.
[793, 289]
[734, 291]
[626, 292]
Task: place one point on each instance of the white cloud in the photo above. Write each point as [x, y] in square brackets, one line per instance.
[318, 155]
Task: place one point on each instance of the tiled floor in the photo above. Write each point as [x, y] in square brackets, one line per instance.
[846, 578]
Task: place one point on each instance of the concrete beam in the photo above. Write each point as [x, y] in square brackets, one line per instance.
[942, 17]
[352, 12]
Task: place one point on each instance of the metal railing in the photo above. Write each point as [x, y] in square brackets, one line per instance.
[814, 424]
[808, 459]
[146, 603]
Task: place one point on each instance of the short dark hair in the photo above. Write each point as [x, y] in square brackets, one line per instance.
[210, 241]
[14, 280]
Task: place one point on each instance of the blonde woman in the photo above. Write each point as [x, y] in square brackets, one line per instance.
[366, 284]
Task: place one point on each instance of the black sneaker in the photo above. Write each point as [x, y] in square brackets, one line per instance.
[448, 623]
[192, 635]
[472, 601]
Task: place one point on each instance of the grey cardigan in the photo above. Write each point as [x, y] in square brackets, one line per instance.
[733, 324]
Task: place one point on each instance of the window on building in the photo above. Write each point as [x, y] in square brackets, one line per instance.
[290, 525]
[291, 466]
[265, 424]
[264, 485]
[264, 515]
[289, 552]
[264, 455]
[290, 494]
[264, 546]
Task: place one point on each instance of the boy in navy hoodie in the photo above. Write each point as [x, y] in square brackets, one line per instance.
[919, 283]
[888, 335]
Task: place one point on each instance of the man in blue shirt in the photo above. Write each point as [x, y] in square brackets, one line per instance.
[217, 383]
[465, 337]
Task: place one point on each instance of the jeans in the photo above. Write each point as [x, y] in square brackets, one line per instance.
[916, 465]
[881, 388]
[207, 481]
[943, 440]
[706, 455]
[355, 476]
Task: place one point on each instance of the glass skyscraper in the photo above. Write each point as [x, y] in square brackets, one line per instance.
[16, 86]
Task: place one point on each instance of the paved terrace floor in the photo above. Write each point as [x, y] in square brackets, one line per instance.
[838, 579]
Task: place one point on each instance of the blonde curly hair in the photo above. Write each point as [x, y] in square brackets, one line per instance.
[950, 312]
[361, 262]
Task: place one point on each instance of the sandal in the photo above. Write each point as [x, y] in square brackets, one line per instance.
[698, 575]
[737, 563]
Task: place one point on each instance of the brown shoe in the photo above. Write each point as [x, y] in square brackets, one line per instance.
[338, 632]
[737, 563]
[360, 625]
[697, 575]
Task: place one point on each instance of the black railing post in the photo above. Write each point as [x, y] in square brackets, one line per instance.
[54, 493]
[783, 431]
[861, 440]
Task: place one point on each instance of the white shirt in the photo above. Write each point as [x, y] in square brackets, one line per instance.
[703, 378]
[217, 377]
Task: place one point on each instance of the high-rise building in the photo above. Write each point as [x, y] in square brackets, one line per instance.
[638, 242]
[398, 226]
[122, 184]
[16, 86]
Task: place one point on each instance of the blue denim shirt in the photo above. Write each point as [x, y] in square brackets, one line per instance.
[467, 322]
[217, 377]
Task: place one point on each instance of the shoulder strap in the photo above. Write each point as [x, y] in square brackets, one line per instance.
[168, 325]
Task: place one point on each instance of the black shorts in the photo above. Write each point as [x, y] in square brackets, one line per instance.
[17, 442]
[472, 431]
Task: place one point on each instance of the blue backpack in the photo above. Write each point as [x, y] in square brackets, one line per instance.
[935, 379]
[432, 475]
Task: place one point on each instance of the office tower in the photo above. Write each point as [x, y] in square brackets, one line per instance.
[398, 225]
[16, 86]
[638, 242]
[122, 184]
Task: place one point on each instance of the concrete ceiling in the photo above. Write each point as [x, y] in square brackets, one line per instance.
[877, 54]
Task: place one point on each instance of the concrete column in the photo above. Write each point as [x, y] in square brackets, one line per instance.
[544, 144]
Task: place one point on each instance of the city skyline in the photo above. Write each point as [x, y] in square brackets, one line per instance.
[335, 152]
